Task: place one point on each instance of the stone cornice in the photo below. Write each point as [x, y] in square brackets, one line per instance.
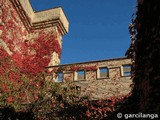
[90, 62]
[22, 13]
[51, 17]
[43, 19]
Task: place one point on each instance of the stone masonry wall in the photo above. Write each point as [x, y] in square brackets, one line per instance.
[21, 27]
[29, 37]
[97, 79]
[13, 32]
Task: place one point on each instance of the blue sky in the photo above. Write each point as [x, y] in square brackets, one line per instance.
[98, 28]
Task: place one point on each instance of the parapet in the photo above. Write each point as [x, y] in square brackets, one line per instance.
[20, 26]
[37, 20]
[97, 79]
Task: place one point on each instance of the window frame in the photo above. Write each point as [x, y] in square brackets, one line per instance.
[99, 73]
[76, 78]
[125, 73]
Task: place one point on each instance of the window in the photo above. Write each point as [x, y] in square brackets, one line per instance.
[81, 75]
[103, 72]
[60, 77]
[126, 70]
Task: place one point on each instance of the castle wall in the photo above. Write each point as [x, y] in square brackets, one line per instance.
[35, 40]
[97, 79]
[13, 31]
[22, 31]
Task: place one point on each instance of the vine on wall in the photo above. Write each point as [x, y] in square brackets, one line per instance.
[30, 54]
[23, 58]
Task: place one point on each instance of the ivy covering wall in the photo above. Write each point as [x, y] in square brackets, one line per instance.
[24, 54]
[145, 54]
[30, 50]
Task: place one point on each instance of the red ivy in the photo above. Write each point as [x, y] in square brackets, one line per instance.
[30, 55]
[90, 68]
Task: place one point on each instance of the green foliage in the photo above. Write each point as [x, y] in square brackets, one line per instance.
[41, 98]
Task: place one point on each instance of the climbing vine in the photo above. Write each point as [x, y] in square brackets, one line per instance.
[23, 58]
[31, 54]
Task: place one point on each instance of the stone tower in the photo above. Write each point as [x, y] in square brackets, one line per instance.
[19, 25]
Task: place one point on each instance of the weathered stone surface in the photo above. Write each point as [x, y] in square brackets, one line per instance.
[20, 24]
[92, 84]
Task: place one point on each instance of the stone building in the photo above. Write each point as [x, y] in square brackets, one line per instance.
[97, 79]
[19, 25]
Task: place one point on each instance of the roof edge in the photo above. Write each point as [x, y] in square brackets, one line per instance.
[78, 63]
[31, 21]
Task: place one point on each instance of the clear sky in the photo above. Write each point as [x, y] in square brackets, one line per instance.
[98, 29]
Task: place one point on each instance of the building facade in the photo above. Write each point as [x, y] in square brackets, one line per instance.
[27, 34]
[21, 26]
[97, 79]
